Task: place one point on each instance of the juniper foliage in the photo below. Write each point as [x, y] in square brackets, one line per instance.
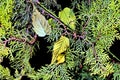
[97, 27]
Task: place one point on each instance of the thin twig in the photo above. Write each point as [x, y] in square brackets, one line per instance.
[56, 19]
[113, 55]
[89, 2]
[94, 51]
[20, 40]
[84, 26]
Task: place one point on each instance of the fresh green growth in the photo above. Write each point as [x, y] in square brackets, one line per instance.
[6, 7]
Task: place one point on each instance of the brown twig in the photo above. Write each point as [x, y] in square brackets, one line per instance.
[89, 2]
[21, 40]
[33, 40]
[84, 26]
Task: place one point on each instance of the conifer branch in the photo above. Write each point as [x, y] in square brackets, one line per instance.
[96, 56]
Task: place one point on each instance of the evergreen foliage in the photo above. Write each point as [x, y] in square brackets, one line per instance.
[96, 26]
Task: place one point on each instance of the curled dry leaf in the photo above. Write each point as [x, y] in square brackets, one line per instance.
[60, 58]
[60, 47]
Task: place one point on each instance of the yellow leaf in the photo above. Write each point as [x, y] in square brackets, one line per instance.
[60, 58]
[59, 47]
[40, 24]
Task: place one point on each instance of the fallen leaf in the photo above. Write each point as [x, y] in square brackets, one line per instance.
[60, 58]
[40, 24]
[59, 47]
[68, 17]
